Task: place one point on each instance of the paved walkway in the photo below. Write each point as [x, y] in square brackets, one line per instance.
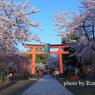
[47, 86]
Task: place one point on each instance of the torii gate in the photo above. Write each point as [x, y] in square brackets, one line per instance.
[34, 51]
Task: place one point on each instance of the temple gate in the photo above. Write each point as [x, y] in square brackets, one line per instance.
[37, 49]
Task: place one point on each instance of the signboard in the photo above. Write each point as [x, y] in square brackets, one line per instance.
[47, 48]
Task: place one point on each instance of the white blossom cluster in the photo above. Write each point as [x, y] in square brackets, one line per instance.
[16, 25]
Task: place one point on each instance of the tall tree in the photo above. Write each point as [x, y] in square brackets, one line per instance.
[16, 24]
[80, 26]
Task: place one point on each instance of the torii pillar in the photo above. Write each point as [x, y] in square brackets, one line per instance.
[33, 61]
[61, 62]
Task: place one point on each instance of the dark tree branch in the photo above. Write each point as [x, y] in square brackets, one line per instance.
[93, 49]
[93, 30]
[86, 33]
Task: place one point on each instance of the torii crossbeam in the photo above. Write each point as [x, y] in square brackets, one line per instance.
[34, 52]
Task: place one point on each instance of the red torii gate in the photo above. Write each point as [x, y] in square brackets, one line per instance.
[34, 51]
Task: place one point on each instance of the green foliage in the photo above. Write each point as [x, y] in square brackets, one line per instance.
[70, 60]
[29, 55]
[40, 58]
[74, 36]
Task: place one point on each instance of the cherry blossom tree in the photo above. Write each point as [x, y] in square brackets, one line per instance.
[78, 26]
[66, 26]
[16, 27]
[81, 28]
[16, 24]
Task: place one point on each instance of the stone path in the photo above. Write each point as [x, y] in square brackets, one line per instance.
[47, 86]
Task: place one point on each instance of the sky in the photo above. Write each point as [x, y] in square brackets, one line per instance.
[48, 9]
